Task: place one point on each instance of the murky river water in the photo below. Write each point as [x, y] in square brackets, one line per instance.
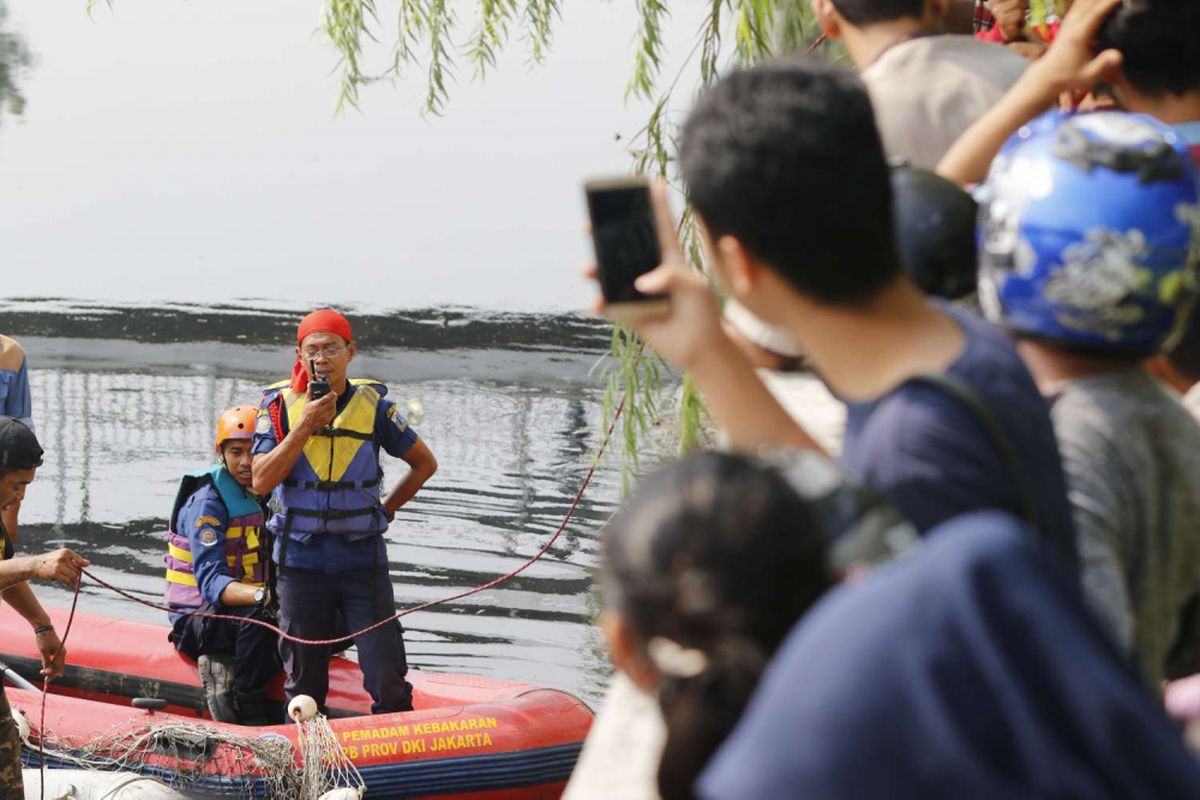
[124, 402]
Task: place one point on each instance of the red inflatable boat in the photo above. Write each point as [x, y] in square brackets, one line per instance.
[469, 737]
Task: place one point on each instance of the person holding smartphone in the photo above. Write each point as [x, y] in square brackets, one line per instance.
[316, 447]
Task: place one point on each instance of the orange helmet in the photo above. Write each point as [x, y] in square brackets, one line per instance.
[235, 423]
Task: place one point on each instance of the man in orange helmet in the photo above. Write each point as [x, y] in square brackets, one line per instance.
[217, 556]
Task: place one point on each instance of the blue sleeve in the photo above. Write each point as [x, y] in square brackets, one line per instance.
[204, 519]
[17, 401]
[264, 431]
[392, 431]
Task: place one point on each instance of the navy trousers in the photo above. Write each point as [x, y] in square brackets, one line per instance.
[254, 648]
[308, 602]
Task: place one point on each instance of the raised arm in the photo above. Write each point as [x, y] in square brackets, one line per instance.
[271, 468]
[1069, 66]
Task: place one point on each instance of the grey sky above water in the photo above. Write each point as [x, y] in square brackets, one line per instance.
[188, 151]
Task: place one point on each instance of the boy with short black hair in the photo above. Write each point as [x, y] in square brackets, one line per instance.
[786, 173]
[1159, 42]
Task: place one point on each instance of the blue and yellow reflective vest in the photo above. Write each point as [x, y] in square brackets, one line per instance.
[334, 485]
[245, 547]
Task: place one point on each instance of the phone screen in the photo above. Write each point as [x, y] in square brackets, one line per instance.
[624, 236]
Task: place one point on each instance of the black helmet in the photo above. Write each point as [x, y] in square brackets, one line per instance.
[935, 232]
[19, 448]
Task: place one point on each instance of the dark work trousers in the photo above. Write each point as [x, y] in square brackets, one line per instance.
[253, 647]
[308, 602]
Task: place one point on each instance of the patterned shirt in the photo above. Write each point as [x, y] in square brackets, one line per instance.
[1132, 458]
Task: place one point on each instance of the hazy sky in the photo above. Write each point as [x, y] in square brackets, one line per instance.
[176, 150]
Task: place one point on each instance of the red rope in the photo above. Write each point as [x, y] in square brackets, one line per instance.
[422, 607]
[62, 643]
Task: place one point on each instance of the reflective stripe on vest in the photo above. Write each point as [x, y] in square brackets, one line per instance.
[244, 544]
[334, 485]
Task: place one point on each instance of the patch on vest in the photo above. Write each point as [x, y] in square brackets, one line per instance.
[208, 537]
[394, 415]
[207, 520]
[264, 422]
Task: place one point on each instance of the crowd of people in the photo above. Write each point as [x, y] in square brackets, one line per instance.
[984, 247]
[1004, 311]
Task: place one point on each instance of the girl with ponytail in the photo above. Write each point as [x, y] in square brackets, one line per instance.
[704, 573]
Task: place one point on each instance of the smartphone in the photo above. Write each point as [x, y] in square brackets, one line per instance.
[318, 386]
[626, 242]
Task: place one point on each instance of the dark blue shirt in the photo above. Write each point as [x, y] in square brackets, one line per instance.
[966, 669]
[932, 458]
[336, 554]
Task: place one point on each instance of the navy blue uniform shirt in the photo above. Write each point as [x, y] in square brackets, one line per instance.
[207, 542]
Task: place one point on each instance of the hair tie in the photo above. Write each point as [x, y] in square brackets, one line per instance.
[673, 659]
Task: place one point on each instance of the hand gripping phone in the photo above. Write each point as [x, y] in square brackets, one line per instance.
[626, 242]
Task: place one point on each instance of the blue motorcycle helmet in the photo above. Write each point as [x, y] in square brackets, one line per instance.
[1087, 233]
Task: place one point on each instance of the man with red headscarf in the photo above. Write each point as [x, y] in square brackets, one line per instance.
[320, 457]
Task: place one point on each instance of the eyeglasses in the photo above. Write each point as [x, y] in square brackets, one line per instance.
[328, 352]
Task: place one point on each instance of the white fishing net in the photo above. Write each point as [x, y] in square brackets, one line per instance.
[326, 772]
[189, 756]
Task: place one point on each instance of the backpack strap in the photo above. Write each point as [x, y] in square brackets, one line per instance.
[965, 394]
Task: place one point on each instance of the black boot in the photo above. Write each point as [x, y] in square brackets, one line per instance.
[216, 672]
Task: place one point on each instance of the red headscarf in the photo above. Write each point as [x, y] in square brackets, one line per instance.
[324, 321]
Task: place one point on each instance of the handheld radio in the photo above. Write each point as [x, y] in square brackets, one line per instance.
[318, 385]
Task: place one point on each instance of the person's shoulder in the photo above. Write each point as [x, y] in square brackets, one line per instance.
[989, 362]
[202, 508]
[904, 417]
[1125, 412]
[983, 537]
[377, 390]
[269, 393]
[986, 59]
[12, 355]
[952, 558]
